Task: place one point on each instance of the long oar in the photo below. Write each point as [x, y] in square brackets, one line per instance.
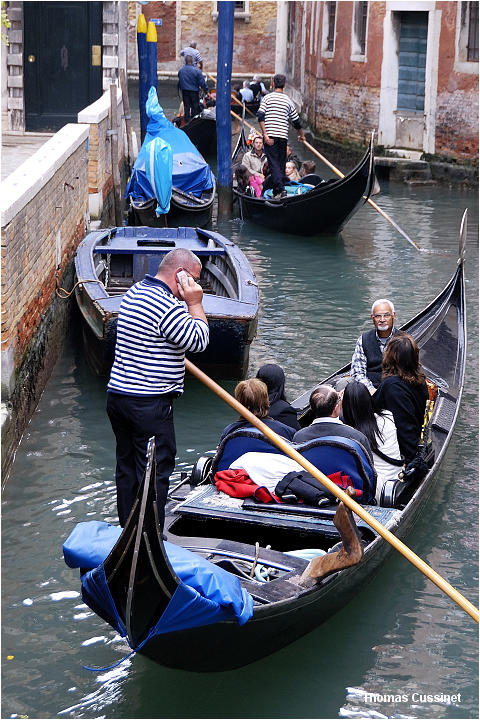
[370, 201]
[324, 480]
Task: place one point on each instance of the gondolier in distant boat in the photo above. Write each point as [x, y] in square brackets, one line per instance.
[190, 81]
[368, 353]
[275, 112]
[153, 333]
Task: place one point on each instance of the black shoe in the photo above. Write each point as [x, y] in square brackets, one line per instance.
[281, 195]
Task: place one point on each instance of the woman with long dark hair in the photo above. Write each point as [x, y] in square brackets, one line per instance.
[378, 428]
[403, 391]
[274, 378]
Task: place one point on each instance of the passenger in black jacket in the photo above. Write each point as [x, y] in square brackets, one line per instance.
[274, 378]
[326, 405]
[403, 391]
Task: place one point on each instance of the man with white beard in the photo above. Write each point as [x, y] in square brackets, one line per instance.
[368, 353]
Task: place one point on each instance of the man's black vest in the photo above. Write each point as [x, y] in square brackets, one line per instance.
[371, 348]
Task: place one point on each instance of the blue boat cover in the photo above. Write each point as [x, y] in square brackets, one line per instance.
[206, 593]
[153, 175]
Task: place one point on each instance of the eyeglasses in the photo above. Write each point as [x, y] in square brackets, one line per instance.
[379, 316]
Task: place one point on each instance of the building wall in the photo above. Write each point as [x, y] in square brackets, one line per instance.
[346, 95]
[44, 217]
[457, 100]
[186, 21]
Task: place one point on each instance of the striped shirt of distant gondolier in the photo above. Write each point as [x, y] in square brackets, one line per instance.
[154, 331]
[276, 109]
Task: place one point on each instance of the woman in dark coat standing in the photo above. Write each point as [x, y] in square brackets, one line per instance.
[403, 391]
[274, 378]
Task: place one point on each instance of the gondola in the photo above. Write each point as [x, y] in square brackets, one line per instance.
[183, 190]
[261, 548]
[324, 209]
[202, 131]
[108, 262]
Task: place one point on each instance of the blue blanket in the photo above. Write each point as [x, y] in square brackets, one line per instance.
[206, 593]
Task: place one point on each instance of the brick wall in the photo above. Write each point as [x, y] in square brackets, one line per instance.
[44, 217]
[337, 103]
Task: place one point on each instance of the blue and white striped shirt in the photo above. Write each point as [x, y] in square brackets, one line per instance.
[154, 331]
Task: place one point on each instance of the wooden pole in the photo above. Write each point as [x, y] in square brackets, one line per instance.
[346, 499]
[142, 73]
[114, 148]
[127, 116]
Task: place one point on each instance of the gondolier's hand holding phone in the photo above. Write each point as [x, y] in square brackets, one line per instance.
[182, 278]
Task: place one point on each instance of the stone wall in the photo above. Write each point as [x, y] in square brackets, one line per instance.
[44, 217]
[183, 22]
[337, 103]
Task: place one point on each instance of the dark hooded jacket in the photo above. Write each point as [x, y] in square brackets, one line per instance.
[274, 378]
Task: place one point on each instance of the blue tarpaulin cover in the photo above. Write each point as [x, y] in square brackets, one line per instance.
[188, 170]
[206, 594]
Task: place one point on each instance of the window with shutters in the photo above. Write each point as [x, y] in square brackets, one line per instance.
[466, 51]
[328, 28]
[359, 31]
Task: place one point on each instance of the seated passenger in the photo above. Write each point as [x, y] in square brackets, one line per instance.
[274, 378]
[378, 428]
[291, 157]
[257, 87]
[253, 395]
[255, 158]
[246, 93]
[291, 171]
[326, 405]
[403, 391]
[367, 356]
[242, 176]
[307, 173]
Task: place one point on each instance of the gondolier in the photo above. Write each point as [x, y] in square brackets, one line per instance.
[275, 112]
[153, 333]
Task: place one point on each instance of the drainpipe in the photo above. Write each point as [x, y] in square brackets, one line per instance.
[224, 123]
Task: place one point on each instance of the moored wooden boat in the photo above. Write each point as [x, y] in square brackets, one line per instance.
[255, 545]
[324, 209]
[110, 261]
[169, 174]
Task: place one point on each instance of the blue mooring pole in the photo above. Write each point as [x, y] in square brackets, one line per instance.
[151, 56]
[142, 72]
[224, 121]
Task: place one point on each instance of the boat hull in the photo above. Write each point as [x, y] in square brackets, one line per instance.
[232, 319]
[323, 210]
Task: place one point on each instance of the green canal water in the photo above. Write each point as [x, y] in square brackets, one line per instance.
[397, 643]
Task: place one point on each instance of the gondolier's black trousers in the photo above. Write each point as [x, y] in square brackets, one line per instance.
[277, 157]
[134, 420]
[191, 104]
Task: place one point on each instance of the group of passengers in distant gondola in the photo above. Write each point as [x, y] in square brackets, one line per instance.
[253, 176]
[379, 408]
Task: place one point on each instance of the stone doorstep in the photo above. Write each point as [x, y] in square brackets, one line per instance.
[403, 153]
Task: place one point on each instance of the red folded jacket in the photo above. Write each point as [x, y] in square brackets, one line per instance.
[237, 483]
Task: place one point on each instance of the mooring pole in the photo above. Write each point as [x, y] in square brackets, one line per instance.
[224, 123]
[151, 56]
[142, 72]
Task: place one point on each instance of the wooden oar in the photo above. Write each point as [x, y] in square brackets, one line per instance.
[348, 501]
[370, 201]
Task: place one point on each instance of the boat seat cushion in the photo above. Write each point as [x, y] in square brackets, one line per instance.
[238, 443]
[333, 454]
[328, 454]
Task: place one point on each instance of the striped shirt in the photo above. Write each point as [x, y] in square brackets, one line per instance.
[153, 332]
[194, 54]
[358, 368]
[276, 109]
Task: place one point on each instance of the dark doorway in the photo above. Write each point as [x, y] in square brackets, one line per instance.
[63, 62]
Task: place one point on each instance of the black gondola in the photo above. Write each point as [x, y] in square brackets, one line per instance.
[202, 131]
[325, 209]
[141, 581]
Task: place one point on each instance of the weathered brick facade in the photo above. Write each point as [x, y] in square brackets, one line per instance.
[40, 233]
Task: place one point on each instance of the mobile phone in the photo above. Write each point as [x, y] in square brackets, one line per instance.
[182, 277]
